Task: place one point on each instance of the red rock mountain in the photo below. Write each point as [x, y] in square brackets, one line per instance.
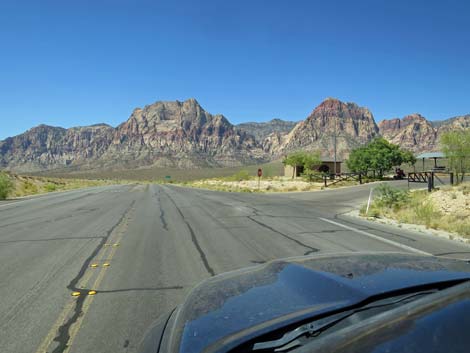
[413, 132]
[183, 134]
[177, 134]
[354, 126]
[416, 133]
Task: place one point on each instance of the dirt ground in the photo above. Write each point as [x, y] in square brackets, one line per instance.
[280, 184]
[455, 202]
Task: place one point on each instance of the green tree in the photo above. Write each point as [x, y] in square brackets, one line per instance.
[456, 147]
[378, 156]
[408, 157]
[359, 160]
[307, 160]
[6, 186]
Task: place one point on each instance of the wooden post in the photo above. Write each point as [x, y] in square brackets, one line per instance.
[451, 178]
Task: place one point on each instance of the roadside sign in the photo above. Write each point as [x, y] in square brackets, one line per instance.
[168, 177]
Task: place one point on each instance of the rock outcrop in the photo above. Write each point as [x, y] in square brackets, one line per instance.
[413, 132]
[353, 126]
[416, 133]
[49, 147]
[262, 130]
[178, 134]
[183, 134]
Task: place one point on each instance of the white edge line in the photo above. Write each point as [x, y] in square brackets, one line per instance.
[391, 242]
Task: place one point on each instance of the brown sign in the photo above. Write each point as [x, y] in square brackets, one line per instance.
[260, 172]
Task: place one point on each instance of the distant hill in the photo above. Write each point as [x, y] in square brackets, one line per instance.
[416, 133]
[352, 124]
[167, 134]
[262, 130]
[183, 135]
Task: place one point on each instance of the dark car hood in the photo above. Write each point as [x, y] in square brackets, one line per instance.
[225, 310]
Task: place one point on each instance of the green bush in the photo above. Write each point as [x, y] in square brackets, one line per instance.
[391, 197]
[6, 186]
[312, 175]
[241, 175]
[425, 213]
[49, 187]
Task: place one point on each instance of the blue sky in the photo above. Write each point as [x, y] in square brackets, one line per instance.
[69, 63]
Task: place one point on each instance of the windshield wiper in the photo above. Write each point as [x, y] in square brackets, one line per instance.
[290, 339]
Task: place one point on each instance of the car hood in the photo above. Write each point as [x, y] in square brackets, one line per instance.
[228, 309]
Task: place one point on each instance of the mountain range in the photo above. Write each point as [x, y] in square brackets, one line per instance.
[184, 135]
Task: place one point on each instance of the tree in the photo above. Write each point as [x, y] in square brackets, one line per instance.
[311, 163]
[6, 186]
[378, 156]
[302, 159]
[408, 157]
[456, 147]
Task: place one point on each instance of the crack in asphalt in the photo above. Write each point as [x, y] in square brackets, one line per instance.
[311, 249]
[194, 239]
[63, 335]
[162, 212]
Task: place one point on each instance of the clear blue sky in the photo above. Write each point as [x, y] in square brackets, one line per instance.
[70, 63]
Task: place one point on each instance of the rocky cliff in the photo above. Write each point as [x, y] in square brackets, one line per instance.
[46, 147]
[416, 133]
[178, 134]
[262, 130]
[183, 134]
[353, 126]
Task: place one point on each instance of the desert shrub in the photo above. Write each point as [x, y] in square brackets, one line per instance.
[241, 175]
[391, 197]
[6, 186]
[49, 187]
[312, 175]
[29, 187]
[425, 213]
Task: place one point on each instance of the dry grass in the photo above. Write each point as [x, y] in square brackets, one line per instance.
[158, 174]
[243, 182]
[29, 185]
[446, 209]
[250, 184]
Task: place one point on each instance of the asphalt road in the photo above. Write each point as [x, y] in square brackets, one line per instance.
[158, 241]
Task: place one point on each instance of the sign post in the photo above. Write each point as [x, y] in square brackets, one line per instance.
[260, 173]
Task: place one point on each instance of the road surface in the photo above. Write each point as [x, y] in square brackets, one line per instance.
[142, 247]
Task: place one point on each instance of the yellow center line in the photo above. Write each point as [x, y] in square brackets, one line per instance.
[46, 342]
[88, 300]
[86, 305]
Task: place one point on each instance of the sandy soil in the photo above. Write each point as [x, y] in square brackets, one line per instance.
[266, 185]
[456, 202]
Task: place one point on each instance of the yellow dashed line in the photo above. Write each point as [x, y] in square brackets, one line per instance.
[86, 305]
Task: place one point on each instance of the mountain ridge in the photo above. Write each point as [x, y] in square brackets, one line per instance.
[182, 134]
